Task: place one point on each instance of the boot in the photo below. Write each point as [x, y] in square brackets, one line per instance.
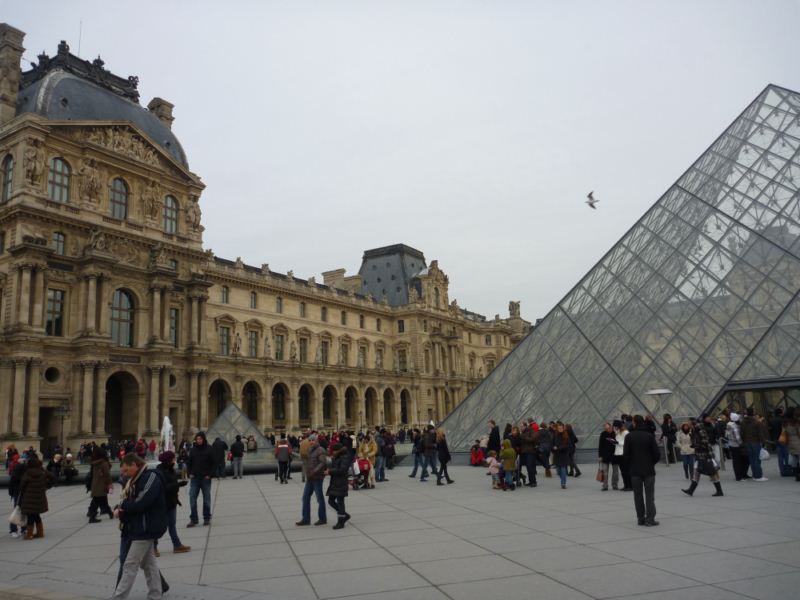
[577, 472]
[570, 473]
[548, 473]
[29, 532]
[39, 529]
[692, 488]
[340, 523]
[718, 485]
[450, 480]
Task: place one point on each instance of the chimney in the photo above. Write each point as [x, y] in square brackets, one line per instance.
[10, 56]
[163, 110]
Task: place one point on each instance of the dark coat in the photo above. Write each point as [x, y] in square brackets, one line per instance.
[429, 443]
[340, 466]
[561, 448]
[237, 449]
[641, 453]
[443, 451]
[494, 439]
[605, 450]
[33, 491]
[529, 440]
[201, 461]
[171, 485]
[545, 440]
[144, 512]
[218, 451]
[15, 480]
[101, 478]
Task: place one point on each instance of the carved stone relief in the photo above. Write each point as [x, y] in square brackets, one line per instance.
[122, 141]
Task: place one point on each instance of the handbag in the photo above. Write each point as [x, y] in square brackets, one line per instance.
[783, 438]
[17, 518]
[354, 470]
[764, 455]
[601, 475]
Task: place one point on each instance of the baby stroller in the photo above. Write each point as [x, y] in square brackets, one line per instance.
[359, 474]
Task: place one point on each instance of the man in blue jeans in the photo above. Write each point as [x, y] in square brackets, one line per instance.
[754, 433]
[315, 475]
[429, 452]
[200, 466]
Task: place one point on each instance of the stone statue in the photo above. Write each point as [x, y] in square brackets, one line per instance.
[158, 256]
[98, 240]
[396, 359]
[267, 351]
[193, 215]
[318, 357]
[237, 343]
[340, 360]
[293, 351]
[379, 360]
[90, 181]
[33, 163]
[513, 309]
[151, 201]
[413, 296]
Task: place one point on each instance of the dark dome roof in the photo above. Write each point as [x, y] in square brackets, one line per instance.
[61, 95]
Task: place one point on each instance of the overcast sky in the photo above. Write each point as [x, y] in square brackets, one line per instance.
[471, 130]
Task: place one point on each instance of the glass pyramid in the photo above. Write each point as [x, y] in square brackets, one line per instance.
[232, 422]
[702, 292]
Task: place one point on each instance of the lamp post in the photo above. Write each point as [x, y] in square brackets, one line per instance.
[660, 394]
[62, 411]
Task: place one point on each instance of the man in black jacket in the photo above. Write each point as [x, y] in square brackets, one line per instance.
[200, 467]
[237, 452]
[218, 449]
[640, 452]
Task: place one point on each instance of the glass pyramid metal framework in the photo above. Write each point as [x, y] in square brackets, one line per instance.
[701, 293]
[232, 422]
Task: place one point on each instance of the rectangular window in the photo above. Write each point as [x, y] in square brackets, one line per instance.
[279, 305]
[323, 314]
[59, 241]
[345, 354]
[402, 360]
[55, 313]
[361, 321]
[488, 340]
[379, 358]
[427, 361]
[325, 351]
[252, 344]
[344, 317]
[401, 326]
[225, 294]
[278, 347]
[489, 366]
[378, 324]
[469, 337]
[425, 325]
[253, 300]
[174, 327]
[224, 341]
[303, 310]
[2, 242]
[303, 350]
[172, 264]
[362, 356]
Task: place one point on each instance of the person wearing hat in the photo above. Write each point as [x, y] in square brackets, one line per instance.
[237, 453]
[172, 486]
[317, 464]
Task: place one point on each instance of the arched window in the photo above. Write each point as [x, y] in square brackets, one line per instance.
[118, 199]
[122, 319]
[170, 215]
[7, 177]
[58, 180]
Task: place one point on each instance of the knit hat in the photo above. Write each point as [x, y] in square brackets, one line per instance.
[166, 457]
[735, 417]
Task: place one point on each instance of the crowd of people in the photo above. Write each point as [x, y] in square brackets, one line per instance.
[628, 450]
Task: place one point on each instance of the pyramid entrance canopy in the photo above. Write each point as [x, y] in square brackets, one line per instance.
[232, 422]
[699, 295]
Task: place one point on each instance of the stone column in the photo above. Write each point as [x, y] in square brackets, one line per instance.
[193, 412]
[155, 388]
[413, 416]
[88, 396]
[100, 399]
[6, 377]
[318, 417]
[292, 405]
[201, 325]
[267, 419]
[155, 314]
[202, 400]
[18, 410]
[91, 303]
[102, 283]
[340, 409]
[193, 321]
[24, 309]
[39, 297]
[32, 405]
[163, 403]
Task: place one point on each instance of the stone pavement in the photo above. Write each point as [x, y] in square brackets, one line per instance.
[412, 540]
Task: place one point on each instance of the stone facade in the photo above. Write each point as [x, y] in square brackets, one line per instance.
[112, 315]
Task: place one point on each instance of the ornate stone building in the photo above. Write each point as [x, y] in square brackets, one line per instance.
[112, 315]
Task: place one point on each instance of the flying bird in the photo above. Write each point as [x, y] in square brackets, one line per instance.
[592, 200]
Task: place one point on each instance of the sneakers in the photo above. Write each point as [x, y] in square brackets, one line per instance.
[321, 522]
[303, 523]
[14, 534]
[181, 549]
[760, 479]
